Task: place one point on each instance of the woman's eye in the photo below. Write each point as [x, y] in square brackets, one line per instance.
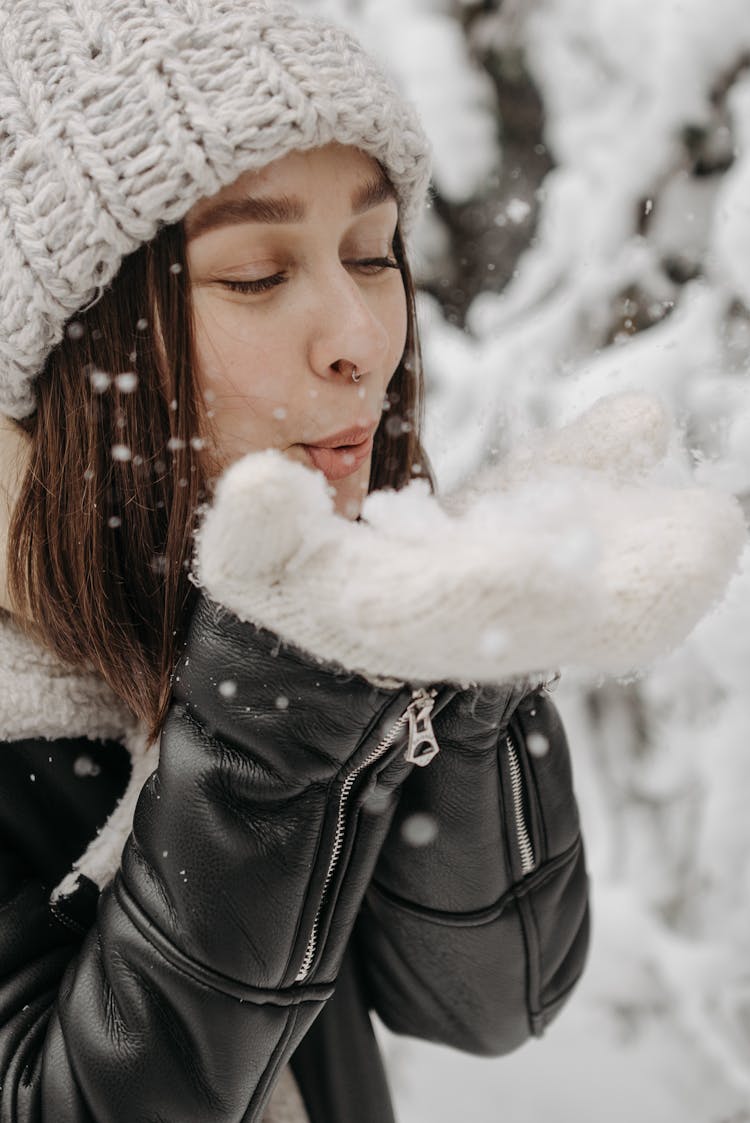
[368, 265]
[263, 284]
[372, 265]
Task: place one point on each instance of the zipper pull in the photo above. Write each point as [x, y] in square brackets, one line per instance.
[423, 745]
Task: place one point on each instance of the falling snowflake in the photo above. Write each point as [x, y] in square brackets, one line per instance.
[84, 766]
[419, 829]
[518, 210]
[100, 380]
[126, 382]
[537, 744]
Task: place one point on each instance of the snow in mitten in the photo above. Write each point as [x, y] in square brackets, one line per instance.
[584, 572]
[622, 436]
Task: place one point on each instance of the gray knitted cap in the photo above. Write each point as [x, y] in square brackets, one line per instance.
[117, 116]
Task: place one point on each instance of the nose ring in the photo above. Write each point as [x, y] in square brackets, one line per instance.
[356, 374]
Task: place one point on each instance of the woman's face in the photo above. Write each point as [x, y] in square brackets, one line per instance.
[294, 286]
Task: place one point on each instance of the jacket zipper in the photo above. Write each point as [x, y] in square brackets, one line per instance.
[528, 861]
[422, 746]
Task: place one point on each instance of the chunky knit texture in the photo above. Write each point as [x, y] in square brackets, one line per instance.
[116, 117]
[571, 566]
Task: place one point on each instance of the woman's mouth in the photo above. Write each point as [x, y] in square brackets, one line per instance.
[341, 455]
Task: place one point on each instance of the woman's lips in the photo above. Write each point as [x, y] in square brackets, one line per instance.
[337, 463]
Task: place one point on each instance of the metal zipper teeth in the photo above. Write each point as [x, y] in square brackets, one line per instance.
[528, 862]
[338, 840]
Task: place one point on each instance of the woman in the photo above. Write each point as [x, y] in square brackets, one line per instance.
[203, 210]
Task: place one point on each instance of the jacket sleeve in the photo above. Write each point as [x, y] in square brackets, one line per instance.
[475, 926]
[222, 934]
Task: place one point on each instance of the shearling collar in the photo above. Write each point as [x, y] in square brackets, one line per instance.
[42, 697]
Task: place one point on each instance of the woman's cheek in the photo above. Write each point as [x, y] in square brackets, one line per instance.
[235, 360]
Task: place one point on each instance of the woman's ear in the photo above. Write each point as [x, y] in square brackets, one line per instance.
[15, 452]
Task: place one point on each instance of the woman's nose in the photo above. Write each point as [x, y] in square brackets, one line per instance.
[348, 339]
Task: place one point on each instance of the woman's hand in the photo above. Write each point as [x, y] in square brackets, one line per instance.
[554, 560]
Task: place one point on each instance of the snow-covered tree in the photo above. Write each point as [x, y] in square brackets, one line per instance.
[590, 232]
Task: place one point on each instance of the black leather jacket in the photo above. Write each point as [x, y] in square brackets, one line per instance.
[272, 854]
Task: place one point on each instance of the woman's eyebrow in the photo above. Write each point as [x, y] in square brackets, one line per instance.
[284, 209]
[229, 212]
[371, 194]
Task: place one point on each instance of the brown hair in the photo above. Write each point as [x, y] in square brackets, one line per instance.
[100, 540]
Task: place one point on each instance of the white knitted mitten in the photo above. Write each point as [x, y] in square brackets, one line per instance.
[581, 570]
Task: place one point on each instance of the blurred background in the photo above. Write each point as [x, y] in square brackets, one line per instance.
[590, 232]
